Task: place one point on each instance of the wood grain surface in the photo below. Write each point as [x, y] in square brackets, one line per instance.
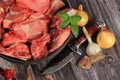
[107, 11]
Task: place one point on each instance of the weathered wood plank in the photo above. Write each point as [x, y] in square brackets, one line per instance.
[107, 11]
[103, 10]
[20, 71]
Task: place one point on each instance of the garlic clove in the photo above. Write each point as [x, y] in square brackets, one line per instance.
[93, 49]
[85, 63]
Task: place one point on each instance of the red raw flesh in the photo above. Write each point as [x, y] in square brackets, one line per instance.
[59, 37]
[34, 29]
[37, 5]
[8, 2]
[1, 31]
[3, 9]
[18, 50]
[9, 74]
[27, 21]
[55, 22]
[39, 48]
[16, 15]
[25, 31]
[11, 38]
[55, 6]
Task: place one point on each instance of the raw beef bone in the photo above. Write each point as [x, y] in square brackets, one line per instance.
[8, 2]
[25, 31]
[11, 38]
[18, 50]
[49, 7]
[3, 9]
[36, 5]
[15, 15]
[39, 47]
[59, 36]
[55, 6]
[35, 29]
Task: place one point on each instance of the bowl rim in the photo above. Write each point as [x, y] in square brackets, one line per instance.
[49, 57]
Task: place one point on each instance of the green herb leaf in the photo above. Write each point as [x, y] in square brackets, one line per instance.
[63, 16]
[64, 23]
[65, 19]
[74, 29]
[75, 19]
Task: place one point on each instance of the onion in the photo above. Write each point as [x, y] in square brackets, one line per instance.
[105, 38]
[83, 15]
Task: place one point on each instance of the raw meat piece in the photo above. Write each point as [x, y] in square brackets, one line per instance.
[55, 6]
[27, 21]
[24, 31]
[1, 19]
[31, 30]
[9, 74]
[11, 38]
[3, 9]
[59, 36]
[39, 48]
[37, 5]
[18, 50]
[36, 16]
[8, 2]
[55, 22]
[1, 31]
[15, 15]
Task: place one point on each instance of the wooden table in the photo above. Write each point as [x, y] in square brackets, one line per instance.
[103, 10]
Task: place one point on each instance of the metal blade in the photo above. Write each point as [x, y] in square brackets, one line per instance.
[59, 65]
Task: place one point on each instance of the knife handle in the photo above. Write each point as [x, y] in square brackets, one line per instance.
[91, 30]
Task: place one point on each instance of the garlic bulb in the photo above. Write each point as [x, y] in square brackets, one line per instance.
[93, 49]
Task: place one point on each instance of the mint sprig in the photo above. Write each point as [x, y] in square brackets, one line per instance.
[65, 19]
[72, 21]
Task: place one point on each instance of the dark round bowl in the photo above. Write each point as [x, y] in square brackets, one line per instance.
[49, 57]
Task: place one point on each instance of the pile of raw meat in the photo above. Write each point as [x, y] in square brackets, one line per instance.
[29, 29]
